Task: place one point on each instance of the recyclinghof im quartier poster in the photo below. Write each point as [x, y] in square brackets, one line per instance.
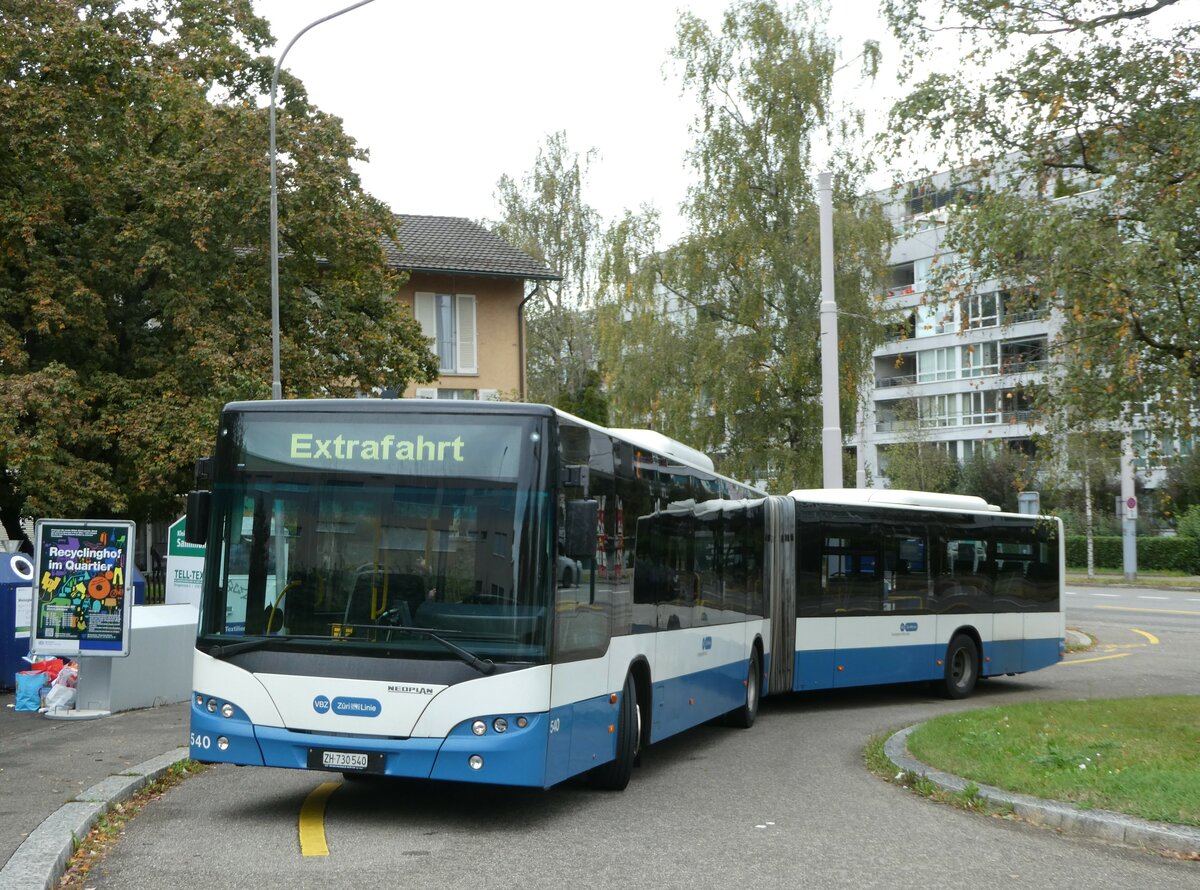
[83, 587]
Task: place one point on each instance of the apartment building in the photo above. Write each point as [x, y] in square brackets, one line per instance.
[957, 367]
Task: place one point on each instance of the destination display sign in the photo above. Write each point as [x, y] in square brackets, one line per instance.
[417, 447]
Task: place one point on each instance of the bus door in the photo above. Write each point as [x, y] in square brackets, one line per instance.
[907, 587]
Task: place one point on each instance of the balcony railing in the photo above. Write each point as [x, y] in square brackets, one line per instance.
[900, 380]
[943, 421]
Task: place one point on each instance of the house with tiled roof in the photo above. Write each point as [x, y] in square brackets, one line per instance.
[467, 287]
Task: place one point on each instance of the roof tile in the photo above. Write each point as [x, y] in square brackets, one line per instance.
[452, 244]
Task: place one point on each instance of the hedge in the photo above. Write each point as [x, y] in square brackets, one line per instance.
[1178, 554]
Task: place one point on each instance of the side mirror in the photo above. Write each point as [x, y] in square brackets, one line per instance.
[580, 538]
[195, 525]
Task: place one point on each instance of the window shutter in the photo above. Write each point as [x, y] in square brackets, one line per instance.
[426, 392]
[465, 308]
[425, 313]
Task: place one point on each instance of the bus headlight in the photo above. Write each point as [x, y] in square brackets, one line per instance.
[475, 761]
[222, 743]
[227, 710]
[211, 706]
[500, 724]
[479, 728]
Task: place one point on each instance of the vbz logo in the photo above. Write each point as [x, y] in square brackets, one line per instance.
[321, 704]
[908, 627]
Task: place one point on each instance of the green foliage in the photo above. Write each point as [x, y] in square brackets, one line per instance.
[715, 341]
[1135, 756]
[1182, 484]
[922, 466]
[1189, 523]
[590, 401]
[545, 214]
[1094, 100]
[997, 477]
[134, 292]
[1174, 554]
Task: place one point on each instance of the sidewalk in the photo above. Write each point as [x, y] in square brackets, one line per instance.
[1110, 578]
[46, 764]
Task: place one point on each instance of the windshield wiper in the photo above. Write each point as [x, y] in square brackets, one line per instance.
[483, 665]
[224, 650]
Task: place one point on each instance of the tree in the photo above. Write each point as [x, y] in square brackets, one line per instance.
[996, 476]
[1083, 114]
[915, 462]
[546, 216]
[134, 295]
[727, 326]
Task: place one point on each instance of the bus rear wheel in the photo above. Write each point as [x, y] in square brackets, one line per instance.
[962, 667]
[614, 775]
[743, 717]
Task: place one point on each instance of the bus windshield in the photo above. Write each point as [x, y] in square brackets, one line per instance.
[418, 535]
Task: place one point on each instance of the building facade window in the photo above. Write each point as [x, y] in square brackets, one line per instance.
[449, 321]
[980, 360]
[981, 311]
[937, 364]
[936, 318]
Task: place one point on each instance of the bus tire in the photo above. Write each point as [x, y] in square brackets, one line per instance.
[614, 775]
[743, 717]
[962, 667]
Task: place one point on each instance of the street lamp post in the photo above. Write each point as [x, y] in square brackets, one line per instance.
[277, 379]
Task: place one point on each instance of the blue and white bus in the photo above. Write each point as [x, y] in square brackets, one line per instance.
[505, 593]
[469, 591]
[903, 586]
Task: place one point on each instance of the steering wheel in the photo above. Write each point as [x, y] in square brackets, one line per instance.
[397, 616]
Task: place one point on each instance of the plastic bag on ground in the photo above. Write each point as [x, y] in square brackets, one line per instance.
[60, 697]
[48, 666]
[68, 676]
[29, 690]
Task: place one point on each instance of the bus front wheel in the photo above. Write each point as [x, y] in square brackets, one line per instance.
[962, 667]
[614, 775]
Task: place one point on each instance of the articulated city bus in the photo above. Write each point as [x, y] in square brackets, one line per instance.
[902, 586]
[448, 590]
[505, 593]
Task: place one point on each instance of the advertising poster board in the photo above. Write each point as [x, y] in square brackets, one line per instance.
[185, 566]
[83, 587]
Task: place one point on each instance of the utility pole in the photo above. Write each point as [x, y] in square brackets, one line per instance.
[831, 431]
[1129, 506]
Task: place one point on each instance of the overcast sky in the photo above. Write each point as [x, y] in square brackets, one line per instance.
[449, 96]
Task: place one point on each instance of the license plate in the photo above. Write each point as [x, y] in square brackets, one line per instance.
[321, 758]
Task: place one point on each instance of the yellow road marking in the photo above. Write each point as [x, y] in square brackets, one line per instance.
[1098, 658]
[1160, 611]
[312, 820]
[1149, 636]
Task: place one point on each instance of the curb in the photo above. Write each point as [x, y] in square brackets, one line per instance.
[43, 856]
[1101, 824]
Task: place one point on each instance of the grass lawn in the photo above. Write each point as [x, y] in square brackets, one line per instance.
[1135, 756]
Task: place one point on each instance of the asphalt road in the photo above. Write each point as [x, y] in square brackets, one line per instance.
[787, 804]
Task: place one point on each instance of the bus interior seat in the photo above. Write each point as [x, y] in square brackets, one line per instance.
[391, 589]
